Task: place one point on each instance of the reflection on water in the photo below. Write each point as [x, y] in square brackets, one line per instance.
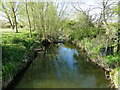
[62, 67]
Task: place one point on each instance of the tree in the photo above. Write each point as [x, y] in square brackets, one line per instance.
[44, 18]
[118, 49]
[14, 10]
[7, 14]
[26, 5]
[83, 13]
[11, 9]
[107, 11]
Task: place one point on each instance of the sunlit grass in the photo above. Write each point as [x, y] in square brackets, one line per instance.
[14, 46]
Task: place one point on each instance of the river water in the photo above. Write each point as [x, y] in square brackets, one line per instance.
[62, 66]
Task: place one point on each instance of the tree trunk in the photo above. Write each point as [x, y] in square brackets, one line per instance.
[118, 49]
[14, 15]
[103, 13]
[16, 28]
[28, 20]
[13, 27]
[33, 18]
[8, 17]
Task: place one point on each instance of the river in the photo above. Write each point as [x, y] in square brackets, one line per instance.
[62, 66]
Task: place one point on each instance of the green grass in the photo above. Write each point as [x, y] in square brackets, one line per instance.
[14, 47]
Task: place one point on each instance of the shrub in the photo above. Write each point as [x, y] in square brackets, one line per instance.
[113, 58]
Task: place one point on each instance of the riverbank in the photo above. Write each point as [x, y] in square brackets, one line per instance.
[61, 66]
[106, 63]
[93, 58]
[17, 54]
[116, 77]
[19, 50]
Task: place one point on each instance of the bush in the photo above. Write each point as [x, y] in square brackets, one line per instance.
[85, 32]
[113, 58]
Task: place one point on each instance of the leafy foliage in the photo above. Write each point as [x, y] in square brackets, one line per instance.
[14, 48]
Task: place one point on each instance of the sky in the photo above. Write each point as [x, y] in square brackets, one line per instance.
[93, 5]
[70, 11]
[84, 4]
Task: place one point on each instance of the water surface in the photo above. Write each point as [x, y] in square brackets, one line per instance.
[62, 67]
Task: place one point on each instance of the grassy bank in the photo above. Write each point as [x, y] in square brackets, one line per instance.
[116, 77]
[109, 62]
[16, 47]
[99, 43]
[15, 50]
